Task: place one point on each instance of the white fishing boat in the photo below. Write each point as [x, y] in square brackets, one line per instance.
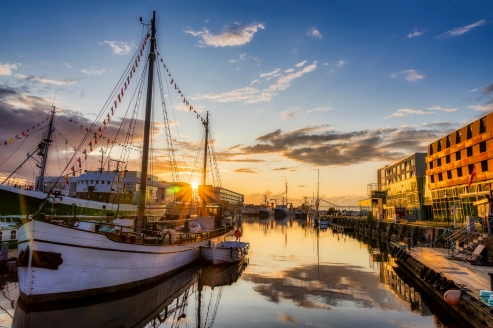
[67, 259]
[225, 251]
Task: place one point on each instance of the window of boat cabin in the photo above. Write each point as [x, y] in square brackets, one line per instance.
[13, 234]
[447, 143]
[457, 137]
[469, 132]
[482, 125]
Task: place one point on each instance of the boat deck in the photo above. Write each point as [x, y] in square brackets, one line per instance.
[473, 276]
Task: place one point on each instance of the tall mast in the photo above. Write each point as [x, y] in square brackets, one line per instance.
[204, 168]
[44, 147]
[318, 187]
[147, 127]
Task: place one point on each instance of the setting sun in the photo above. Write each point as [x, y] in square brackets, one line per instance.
[195, 185]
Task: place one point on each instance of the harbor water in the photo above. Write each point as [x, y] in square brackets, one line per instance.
[295, 275]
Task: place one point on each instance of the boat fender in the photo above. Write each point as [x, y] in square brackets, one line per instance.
[452, 297]
[446, 285]
[422, 273]
[430, 275]
[438, 281]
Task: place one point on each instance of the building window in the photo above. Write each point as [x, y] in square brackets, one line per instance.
[447, 143]
[457, 137]
[431, 149]
[449, 175]
[457, 156]
[431, 165]
[482, 147]
[459, 172]
[469, 131]
[469, 151]
[439, 162]
[482, 125]
[470, 168]
[439, 145]
[432, 178]
[447, 159]
[440, 177]
[412, 162]
[484, 166]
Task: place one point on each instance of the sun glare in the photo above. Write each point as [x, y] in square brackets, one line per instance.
[195, 185]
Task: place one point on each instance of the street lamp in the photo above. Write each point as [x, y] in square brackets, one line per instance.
[446, 207]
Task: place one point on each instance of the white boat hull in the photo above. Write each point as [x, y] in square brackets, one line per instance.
[92, 263]
[220, 255]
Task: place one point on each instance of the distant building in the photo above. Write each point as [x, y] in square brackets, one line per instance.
[450, 163]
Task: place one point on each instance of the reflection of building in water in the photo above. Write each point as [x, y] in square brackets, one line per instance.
[389, 277]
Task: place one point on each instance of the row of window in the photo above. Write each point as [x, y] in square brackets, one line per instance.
[482, 149]
[404, 176]
[401, 167]
[440, 176]
[92, 182]
[458, 136]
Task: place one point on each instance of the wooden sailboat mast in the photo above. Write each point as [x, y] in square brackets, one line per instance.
[204, 168]
[43, 151]
[147, 126]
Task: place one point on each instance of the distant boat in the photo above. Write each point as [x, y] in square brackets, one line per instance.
[282, 211]
[226, 251]
[265, 211]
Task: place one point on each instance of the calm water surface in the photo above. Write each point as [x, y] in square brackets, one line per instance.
[295, 276]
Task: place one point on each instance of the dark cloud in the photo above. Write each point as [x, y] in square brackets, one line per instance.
[315, 145]
[488, 89]
[245, 171]
[281, 169]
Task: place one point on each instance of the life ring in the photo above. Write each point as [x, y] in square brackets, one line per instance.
[422, 273]
[446, 285]
[238, 233]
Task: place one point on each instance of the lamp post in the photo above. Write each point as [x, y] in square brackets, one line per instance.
[446, 208]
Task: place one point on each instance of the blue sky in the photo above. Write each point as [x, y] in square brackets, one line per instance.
[294, 86]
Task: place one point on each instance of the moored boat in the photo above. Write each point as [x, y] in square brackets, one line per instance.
[225, 251]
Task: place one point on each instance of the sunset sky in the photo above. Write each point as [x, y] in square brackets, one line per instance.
[345, 87]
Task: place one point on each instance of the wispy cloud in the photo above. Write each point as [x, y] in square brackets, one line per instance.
[272, 74]
[314, 33]
[442, 109]
[287, 114]
[461, 30]
[410, 75]
[289, 70]
[32, 78]
[232, 36]
[406, 112]
[67, 65]
[415, 33]
[482, 108]
[253, 95]
[93, 71]
[300, 64]
[341, 63]
[6, 69]
[325, 64]
[245, 171]
[254, 81]
[118, 48]
[320, 109]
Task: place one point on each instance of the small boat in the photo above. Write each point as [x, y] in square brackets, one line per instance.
[226, 251]
[264, 211]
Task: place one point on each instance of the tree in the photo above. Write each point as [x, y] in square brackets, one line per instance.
[331, 211]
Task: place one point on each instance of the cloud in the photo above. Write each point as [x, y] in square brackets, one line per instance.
[93, 71]
[32, 78]
[272, 74]
[319, 109]
[245, 171]
[254, 81]
[406, 112]
[488, 89]
[67, 65]
[289, 70]
[319, 145]
[410, 75]
[300, 64]
[414, 34]
[314, 33]
[461, 30]
[232, 60]
[301, 186]
[250, 95]
[6, 69]
[287, 114]
[325, 64]
[482, 108]
[232, 36]
[341, 63]
[449, 109]
[119, 48]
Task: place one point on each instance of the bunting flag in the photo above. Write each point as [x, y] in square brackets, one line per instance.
[121, 91]
[66, 178]
[112, 112]
[73, 170]
[172, 81]
[80, 162]
[104, 124]
[473, 174]
[90, 146]
[95, 140]
[115, 104]
[85, 154]
[109, 118]
[100, 132]
[119, 99]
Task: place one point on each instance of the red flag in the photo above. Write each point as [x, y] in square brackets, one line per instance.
[80, 162]
[473, 174]
[66, 178]
[104, 124]
[109, 117]
[73, 170]
[121, 92]
[85, 154]
[5, 143]
[115, 104]
[172, 81]
[95, 141]
[136, 64]
[112, 112]
[125, 85]
[90, 146]
[119, 99]
[24, 134]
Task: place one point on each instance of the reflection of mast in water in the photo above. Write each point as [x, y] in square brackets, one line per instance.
[318, 253]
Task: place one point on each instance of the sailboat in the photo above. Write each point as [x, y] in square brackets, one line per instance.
[60, 260]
